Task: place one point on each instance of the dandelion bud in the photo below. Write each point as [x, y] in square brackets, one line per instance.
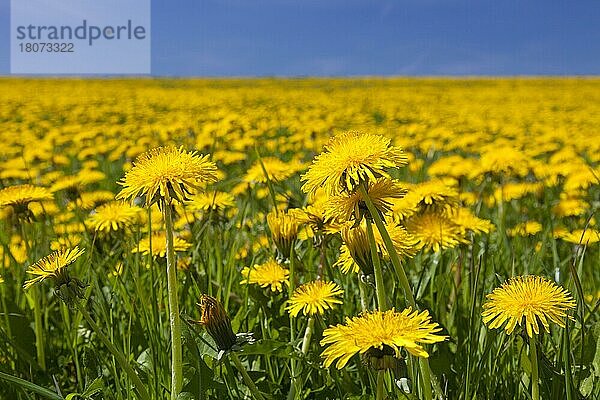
[217, 323]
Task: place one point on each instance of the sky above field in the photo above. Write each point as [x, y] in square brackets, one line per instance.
[376, 37]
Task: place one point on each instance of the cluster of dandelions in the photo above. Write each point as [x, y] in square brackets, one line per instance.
[356, 192]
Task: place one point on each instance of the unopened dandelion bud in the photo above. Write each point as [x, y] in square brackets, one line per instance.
[217, 323]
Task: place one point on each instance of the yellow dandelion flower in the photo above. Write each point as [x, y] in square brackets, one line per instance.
[270, 274]
[114, 216]
[355, 243]
[345, 262]
[582, 236]
[350, 159]
[570, 207]
[528, 228]
[53, 266]
[435, 231]
[159, 245]
[168, 173]
[388, 330]
[284, 229]
[467, 221]
[314, 298]
[433, 194]
[62, 242]
[18, 197]
[527, 301]
[349, 206]
[314, 221]
[277, 170]
[213, 200]
[91, 200]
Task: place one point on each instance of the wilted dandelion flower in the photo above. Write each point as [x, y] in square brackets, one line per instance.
[114, 216]
[168, 173]
[527, 300]
[217, 323]
[284, 229]
[270, 274]
[314, 298]
[350, 159]
[378, 333]
[54, 266]
[159, 245]
[18, 197]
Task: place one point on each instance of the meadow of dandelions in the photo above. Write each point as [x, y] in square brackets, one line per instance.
[302, 239]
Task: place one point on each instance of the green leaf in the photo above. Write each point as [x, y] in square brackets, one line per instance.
[30, 386]
[96, 386]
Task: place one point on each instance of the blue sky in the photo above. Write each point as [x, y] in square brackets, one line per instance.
[376, 37]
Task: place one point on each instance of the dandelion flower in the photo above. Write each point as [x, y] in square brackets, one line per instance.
[213, 200]
[528, 228]
[346, 207]
[53, 266]
[168, 173]
[284, 229]
[435, 231]
[380, 331]
[527, 300]
[350, 159]
[270, 274]
[114, 216]
[314, 298]
[18, 197]
[159, 245]
[582, 236]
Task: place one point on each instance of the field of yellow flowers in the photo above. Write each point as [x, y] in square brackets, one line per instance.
[299, 239]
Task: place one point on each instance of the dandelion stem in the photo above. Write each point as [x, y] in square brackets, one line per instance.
[247, 380]
[308, 335]
[291, 287]
[408, 294]
[535, 389]
[123, 362]
[379, 285]
[176, 350]
[380, 391]
[39, 330]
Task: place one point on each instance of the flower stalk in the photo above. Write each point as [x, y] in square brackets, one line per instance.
[535, 389]
[174, 320]
[423, 363]
[247, 380]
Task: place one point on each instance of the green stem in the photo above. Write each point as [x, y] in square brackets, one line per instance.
[123, 362]
[175, 322]
[535, 389]
[380, 391]
[379, 285]
[293, 382]
[308, 335]
[39, 329]
[247, 380]
[389, 245]
[364, 304]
